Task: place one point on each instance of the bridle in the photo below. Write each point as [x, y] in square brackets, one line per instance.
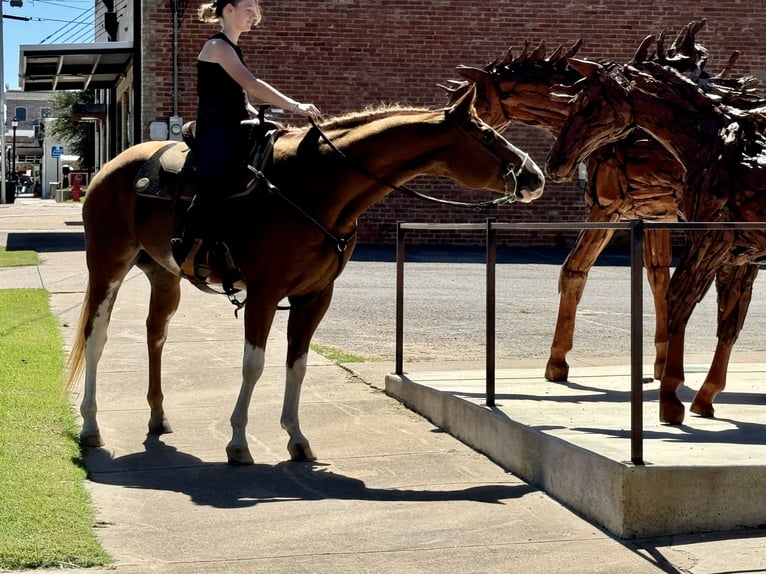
[511, 175]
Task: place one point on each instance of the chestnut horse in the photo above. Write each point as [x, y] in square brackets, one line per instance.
[292, 245]
[724, 156]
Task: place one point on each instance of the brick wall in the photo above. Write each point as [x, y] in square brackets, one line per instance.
[345, 54]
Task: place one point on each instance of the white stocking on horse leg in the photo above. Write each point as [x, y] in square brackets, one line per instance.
[298, 445]
[252, 369]
[94, 347]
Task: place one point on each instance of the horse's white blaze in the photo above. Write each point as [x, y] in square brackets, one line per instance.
[94, 347]
[293, 383]
[528, 195]
[252, 369]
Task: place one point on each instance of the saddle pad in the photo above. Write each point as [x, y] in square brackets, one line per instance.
[162, 177]
[168, 173]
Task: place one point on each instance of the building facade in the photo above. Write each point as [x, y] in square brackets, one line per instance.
[343, 55]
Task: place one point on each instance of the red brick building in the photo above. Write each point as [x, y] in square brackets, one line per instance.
[345, 54]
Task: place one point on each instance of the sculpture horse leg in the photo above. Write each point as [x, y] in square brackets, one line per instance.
[572, 278]
[695, 273]
[735, 290]
[657, 260]
[303, 321]
[166, 294]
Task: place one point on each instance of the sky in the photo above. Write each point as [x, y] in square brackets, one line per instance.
[50, 22]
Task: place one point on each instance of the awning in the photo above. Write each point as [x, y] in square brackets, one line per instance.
[49, 67]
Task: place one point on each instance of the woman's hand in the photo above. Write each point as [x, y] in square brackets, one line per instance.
[308, 110]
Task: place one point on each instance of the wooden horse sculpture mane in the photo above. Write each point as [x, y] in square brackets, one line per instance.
[284, 252]
[635, 178]
[724, 156]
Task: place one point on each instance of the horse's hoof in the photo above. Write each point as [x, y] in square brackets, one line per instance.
[702, 409]
[161, 426]
[658, 368]
[300, 452]
[557, 371]
[671, 412]
[91, 440]
[239, 455]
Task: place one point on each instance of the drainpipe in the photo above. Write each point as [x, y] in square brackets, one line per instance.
[174, 8]
[137, 65]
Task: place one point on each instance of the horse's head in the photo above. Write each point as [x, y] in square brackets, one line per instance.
[518, 88]
[484, 159]
[599, 113]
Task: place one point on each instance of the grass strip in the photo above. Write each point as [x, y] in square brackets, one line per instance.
[46, 519]
[335, 354]
[18, 258]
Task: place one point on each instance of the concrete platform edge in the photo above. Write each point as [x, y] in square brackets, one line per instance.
[628, 501]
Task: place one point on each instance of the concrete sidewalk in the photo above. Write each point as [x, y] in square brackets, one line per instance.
[389, 492]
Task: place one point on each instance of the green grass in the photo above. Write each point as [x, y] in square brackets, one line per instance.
[337, 355]
[18, 258]
[46, 519]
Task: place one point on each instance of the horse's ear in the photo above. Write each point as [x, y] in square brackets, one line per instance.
[474, 75]
[464, 105]
[585, 67]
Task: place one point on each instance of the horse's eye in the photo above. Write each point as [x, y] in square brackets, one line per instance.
[489, 137]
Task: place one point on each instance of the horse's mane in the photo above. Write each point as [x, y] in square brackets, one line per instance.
[354, 119]
[368, 114]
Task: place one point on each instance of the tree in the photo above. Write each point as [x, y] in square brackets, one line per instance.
[78, 135]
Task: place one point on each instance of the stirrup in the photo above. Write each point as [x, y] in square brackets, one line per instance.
[188, 266]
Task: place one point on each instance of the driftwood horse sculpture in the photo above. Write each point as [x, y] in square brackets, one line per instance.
[634, 178]
[290, 247]
[724, 157]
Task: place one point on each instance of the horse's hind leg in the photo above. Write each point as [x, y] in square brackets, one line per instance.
[735, 289]
[103, 287]
[166, 294]
[690, 281]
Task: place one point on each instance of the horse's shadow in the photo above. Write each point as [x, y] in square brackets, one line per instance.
[220, 485]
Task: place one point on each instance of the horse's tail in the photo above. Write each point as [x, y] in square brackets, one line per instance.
[76, 362]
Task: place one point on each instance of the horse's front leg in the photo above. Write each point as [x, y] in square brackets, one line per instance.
[259, 315]
[657, 260]
[572, 278]
[735, 289]
[303, 321]
[166, 293]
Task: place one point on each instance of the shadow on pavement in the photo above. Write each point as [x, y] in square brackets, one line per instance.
[477, 254]
[163, 467]
[45, 242]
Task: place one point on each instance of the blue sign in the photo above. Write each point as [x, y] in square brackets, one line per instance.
[57, 150]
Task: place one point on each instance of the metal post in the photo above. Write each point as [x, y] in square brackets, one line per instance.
[2, 112]
[399, 299]
[14, 125]
[636, 342]
[491, 259]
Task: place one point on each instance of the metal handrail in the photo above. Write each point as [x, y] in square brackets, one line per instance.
[636, 228]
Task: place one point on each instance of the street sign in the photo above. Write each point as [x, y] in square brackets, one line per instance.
[57, 150]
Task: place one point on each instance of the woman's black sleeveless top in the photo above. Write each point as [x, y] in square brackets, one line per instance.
[220, 98]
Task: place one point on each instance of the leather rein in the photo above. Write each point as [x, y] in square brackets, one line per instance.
[511, 175]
